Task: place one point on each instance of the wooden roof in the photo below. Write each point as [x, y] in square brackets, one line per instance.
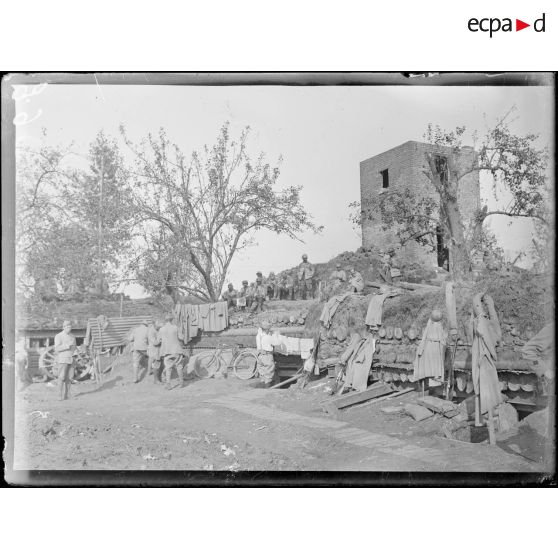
[33, 315]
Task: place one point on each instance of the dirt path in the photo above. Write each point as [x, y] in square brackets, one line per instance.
[225, 425]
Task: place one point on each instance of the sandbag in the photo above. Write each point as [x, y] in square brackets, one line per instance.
[417, 412]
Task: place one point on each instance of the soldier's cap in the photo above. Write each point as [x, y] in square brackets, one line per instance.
[66, 323]
[230, 285]
[258, 272]
[337, 264]
[245, 282]
[304, 255]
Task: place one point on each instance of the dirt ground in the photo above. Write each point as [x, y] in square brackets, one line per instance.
[224, 424]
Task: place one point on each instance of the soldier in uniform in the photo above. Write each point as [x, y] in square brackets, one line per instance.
[356, 282]
[64, 347]
[171, 351]
[266, 362]
[22, 363]
[338, 279]
[306, 278]
[385, 271]
[243, 296]
[154, 351]
[272, 286]
[138, 338]
[230, 296]
[286, 287]
[258, 296]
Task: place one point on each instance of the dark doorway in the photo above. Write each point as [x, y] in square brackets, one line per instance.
[442, 250]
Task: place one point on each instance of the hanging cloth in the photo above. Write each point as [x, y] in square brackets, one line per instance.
[429, 358]
[375, 310]
[360, 363]
[486, 334]
[331, 307]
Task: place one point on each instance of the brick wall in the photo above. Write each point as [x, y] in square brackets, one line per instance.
[405, 164]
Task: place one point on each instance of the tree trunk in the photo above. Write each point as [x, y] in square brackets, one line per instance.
[450, 216]
[459, 254]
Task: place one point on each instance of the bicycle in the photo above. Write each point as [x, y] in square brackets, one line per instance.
[242, 363]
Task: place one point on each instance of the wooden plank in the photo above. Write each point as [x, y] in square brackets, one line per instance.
[384, 398]
[288, 381]
[376, 390]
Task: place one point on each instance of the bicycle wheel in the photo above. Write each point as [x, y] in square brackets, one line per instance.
[244, 365]
[208, 365]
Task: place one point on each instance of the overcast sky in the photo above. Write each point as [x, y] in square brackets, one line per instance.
[321, 132]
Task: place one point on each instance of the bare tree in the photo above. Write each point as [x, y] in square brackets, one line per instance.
[199, 212]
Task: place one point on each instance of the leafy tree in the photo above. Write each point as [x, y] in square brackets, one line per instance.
[516, 166]
[59, 209]
[198, 212]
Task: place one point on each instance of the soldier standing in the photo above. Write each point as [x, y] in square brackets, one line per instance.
[22, 364]
[305, 278]
[154, 351]
[138, 337]
[64, 347]
[171, 351]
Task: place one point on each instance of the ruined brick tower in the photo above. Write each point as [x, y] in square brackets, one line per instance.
[402, 167]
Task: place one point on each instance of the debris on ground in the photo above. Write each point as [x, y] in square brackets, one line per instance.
[391, 410]
[418, 412]
[227, 451]
[437, 405]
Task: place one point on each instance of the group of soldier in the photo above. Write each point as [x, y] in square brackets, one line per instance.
[156, 343]
[153, 343]
[301, 284]
[287, 286]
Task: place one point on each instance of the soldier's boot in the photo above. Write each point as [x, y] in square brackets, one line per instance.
[156, 379]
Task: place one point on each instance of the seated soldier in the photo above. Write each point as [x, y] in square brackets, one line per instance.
[230, 296]
[337, 280]
[385, 271]
[258, 296]
[286, 287]
[272, 286]
[243, 294]
[356, 282]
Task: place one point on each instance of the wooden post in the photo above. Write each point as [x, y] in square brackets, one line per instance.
[478, 421]
[491, 433]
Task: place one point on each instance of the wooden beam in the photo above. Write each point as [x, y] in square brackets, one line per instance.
[287, 381]
[376, 390]
[403, 285]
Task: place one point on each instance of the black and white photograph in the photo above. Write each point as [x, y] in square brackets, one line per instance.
[279, 273]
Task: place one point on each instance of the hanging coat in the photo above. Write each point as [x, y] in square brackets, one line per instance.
[429, 358]
[359, 364]
[486, 333]
[375, 310]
